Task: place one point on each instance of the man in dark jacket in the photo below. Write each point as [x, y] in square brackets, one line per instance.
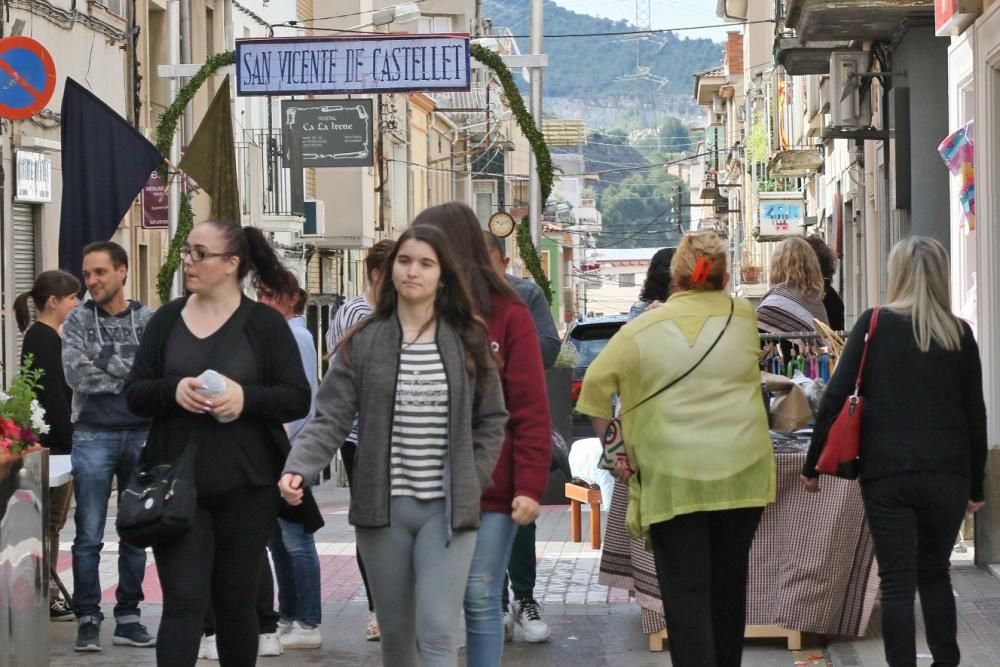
[101, 338]
[521, 568]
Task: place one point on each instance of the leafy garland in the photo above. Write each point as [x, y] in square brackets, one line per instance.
[167, 127]
[543, 159]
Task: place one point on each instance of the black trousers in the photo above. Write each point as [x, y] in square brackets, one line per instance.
[347, 453]
[702, 561]
[267, 616]
[219, 561]
[915, 519]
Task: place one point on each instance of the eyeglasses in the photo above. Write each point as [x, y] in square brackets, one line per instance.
[197, 255]
[263, 293]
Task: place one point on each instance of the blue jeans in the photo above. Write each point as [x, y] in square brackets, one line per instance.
[296, 569]
[97, 457]
[483, 618]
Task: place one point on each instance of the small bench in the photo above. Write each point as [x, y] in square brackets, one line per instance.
[577, 495]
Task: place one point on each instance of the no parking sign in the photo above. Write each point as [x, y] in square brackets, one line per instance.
[27, 77]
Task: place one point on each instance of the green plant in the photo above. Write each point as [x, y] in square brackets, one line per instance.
[531, 261]
[22, 419]
[173, 261]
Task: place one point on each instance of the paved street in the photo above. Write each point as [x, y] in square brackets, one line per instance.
[590, 625]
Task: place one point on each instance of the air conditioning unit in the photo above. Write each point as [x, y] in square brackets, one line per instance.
[315, 215]
[845, 96]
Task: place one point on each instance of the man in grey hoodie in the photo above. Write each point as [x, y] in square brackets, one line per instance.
[101, 338]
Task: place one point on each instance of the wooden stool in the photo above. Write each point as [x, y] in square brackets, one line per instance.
[793, 638]
[577, 495]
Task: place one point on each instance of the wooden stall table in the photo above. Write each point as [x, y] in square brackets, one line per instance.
[812, 567]
[577, 495]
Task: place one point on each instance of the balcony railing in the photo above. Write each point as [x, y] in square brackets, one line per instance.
[270, 177]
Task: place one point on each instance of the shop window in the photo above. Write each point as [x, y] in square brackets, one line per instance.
[626, 280]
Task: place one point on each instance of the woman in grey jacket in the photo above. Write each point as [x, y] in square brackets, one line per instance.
[421, 377]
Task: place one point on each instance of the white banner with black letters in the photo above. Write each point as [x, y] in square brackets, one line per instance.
[376, 64]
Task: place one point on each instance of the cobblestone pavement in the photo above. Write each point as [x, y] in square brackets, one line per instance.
[591, 625]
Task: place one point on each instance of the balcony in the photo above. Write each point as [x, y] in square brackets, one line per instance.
[833, 20]
[803, 58]
[271, 185]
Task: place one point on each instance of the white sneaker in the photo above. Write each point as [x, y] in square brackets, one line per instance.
[284, 626]
[528, 616]
[208, 650]
[302, 636]
[269, 645]
[373, 633]
[508, 626]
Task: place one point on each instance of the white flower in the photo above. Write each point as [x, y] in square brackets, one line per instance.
[38, 424]
[4, 396]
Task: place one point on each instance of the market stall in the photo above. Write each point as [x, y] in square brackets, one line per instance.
[812, 563]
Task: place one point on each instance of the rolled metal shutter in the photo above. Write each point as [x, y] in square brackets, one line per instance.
[24, 260]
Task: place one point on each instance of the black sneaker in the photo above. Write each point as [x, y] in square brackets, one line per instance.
[132, 634]
[88, 637]
[60, 611]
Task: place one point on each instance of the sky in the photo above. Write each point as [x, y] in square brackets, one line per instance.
[664, 14]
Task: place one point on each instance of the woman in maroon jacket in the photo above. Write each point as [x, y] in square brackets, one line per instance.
[521, 473]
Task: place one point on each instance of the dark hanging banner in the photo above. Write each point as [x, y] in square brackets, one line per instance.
[335, 133]
[105, 164]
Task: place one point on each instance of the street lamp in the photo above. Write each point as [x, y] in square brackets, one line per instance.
[406, 12]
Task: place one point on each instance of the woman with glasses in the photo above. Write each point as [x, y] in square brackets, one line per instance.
[238, 429]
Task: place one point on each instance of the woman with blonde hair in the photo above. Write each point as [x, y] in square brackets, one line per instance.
[696, 437]
[796, 295]
[923, 444]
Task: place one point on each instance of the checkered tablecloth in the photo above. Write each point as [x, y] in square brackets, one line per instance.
[812, 564]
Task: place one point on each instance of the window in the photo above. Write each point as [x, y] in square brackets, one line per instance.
[484, 193]
[434, 24]
[626, 280]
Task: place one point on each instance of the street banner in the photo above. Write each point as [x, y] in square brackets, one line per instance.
[335, 133]
[354, 64]
[105, 164]
[210, 158]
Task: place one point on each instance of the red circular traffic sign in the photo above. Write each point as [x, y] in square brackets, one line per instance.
[27, 77]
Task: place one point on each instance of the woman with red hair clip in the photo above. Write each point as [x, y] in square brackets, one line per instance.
[698, 462]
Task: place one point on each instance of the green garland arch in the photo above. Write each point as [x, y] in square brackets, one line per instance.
[167, 127]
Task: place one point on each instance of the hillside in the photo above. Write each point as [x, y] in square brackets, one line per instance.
[582, 67]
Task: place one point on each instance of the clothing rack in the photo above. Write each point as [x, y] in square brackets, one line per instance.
[798, 335]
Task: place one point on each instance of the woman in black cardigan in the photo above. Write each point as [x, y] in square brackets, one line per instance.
[242, 444]
[923, 444]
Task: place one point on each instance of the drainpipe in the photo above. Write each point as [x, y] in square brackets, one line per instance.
[185, 33]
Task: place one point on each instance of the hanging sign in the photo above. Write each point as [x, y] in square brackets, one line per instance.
[951, 17]
[34, 177]
[781, 215]
[375, 64]
[335, 133]
[27, 77]
[154, 203]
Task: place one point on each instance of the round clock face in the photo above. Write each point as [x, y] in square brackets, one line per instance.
[501, 224]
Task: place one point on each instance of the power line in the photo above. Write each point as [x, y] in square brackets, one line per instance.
[294, 23]
[575, 34]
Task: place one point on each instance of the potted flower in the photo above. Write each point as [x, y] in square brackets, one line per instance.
[22, 419]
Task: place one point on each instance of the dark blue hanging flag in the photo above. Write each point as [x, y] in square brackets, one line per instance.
[105, 164]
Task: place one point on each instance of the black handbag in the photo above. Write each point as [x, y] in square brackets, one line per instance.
[159, 504]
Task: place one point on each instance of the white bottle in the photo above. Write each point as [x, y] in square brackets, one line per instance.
[214, 385]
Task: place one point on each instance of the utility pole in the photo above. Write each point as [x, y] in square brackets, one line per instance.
[174, 190]
[535, 203]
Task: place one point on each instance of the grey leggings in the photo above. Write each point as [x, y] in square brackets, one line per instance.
[418, 581]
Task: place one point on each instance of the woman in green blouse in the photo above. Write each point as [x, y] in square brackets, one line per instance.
[699, 462]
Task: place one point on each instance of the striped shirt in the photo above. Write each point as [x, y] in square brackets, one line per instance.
[352, 312]
[420, 423]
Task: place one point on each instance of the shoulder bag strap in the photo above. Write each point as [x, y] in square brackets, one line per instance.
[864, 355]
[732, 307]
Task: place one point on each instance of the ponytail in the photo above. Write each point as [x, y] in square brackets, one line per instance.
[48, 283]
[21, 313]
[251, 247]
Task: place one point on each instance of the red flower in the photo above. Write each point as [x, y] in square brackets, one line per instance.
[10, 429]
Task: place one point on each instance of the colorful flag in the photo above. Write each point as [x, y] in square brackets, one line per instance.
[958, 152]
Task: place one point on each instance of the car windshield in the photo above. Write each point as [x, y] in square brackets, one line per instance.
[590, 339]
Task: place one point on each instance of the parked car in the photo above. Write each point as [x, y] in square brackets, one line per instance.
[589, 336]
